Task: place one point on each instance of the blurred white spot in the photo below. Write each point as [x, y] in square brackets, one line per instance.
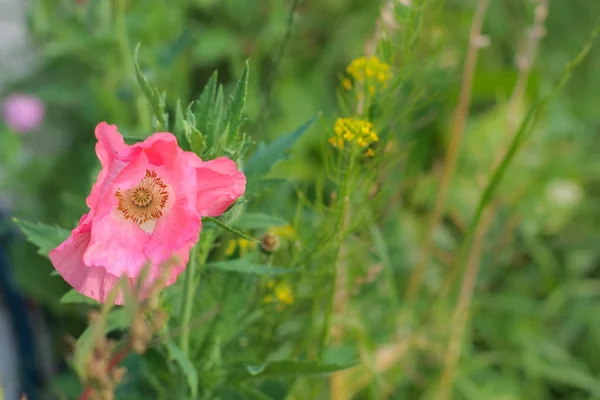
[481, 41]
[564, 193]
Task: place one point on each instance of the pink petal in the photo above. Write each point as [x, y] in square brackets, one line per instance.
[114, 155]
[67, 258]
[219, 183]
[117, 244]
[161, 148]
[177, 230]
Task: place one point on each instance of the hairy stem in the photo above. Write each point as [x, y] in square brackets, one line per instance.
[114, 361]
[343, 201]
[197, 260]
[461, 313]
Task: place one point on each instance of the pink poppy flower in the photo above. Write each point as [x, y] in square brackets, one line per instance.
[145, 208]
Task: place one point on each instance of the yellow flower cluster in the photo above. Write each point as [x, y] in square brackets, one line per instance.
[281, 291]
[353, 130]
[370, 71]
[243, 244]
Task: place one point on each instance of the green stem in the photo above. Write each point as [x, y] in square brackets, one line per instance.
[188, 296]
[230, 229]
[128, 65]
[339, 227]
[197, 260]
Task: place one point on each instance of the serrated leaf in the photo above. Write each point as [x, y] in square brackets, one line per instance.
[258, 221]
[267, 156]
[203, 108]
[223, 138]
[246, 267]
[237, 101]
[180, 130]
[196, 139]
[186, 366]
[215, 119]
[73, 296]
[155, 99]
[46, 237]
[291, 368]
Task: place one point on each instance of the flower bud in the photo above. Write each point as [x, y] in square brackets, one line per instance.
[269, 243]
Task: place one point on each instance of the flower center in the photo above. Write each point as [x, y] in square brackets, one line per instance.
[145, 201]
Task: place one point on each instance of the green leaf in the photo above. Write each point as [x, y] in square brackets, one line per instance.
[179, 130]
[196, 138]
[73, 296]
[253, 394]
[246, 267]
[215, 118]
[291, 368]
[46, 237]
[155, 99]
[267, 156]
[258, 221]
[237, 102]
[186, 366]
[203, 108]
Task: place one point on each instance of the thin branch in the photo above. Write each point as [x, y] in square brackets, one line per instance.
[460, 117]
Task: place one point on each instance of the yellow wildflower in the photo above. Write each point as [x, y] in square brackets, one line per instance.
[347, 84]
[369, 70]
[281, 291]
[348, 130]
[284, 294]
[243, 244]
[284, 231]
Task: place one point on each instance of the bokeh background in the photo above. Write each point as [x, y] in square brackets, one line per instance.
[536, 311]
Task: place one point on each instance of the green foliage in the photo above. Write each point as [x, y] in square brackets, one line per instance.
[72, 296]
[266, 156]
[186, 366]
[291, 368]
[45, 237]
[245, 267]
[156, 100]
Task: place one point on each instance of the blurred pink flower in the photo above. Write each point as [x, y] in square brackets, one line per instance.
[23, 113]
[145, 207]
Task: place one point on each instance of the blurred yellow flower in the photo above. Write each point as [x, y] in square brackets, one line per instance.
[349, 130]
[347, 84]
[369, 70]
[243, 244]
[282, 292]
[284, 231]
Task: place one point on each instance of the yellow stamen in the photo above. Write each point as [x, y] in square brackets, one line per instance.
[144, 202]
